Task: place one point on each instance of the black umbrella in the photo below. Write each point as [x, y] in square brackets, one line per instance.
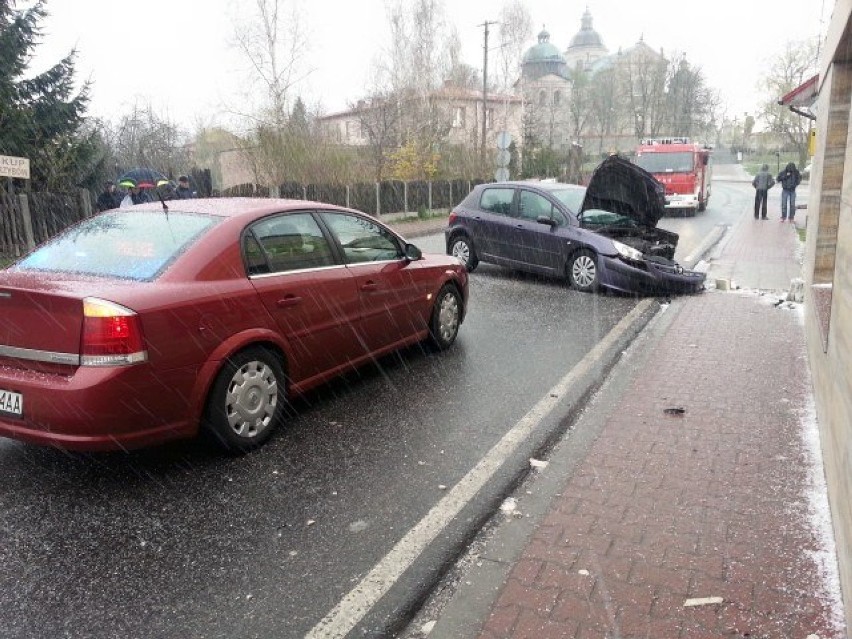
[143, 178]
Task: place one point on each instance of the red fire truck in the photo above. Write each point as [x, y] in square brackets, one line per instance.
[683, 167]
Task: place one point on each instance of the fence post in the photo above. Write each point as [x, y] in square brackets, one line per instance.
[430, 195]
[451, 193]
[347, 197]
[85, 203]
[304, 192]
[28, 221]
[405, 196]
[378, 199]
[274, 191]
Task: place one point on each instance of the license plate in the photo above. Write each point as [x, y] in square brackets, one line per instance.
[12, 403]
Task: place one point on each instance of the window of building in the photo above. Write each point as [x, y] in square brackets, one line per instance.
[542, 98]
[353, 129]
[557, 98]
[458, 117]
[489, 118]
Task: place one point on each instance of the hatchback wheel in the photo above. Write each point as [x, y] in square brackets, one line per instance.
[246, 401]
[583, 271]
[446, 317]
[461, 247]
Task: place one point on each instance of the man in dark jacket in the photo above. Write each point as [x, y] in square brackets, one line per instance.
[762, 182]
[789, 179]
[183, 192]
[109, 199]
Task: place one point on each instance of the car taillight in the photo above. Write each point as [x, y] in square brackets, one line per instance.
[452, 219]
[112, 335]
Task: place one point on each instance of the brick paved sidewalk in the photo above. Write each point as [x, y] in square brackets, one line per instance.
[725, 500]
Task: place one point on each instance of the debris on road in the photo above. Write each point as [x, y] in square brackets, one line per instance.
[538, 463]
[702, 601]
[675, 410]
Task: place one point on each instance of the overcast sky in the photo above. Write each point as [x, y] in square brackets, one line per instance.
[178, 55]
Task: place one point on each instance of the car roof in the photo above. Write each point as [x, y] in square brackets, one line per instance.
[235, 207]
[544, 186]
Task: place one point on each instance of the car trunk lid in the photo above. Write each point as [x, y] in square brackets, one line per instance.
[39, 325]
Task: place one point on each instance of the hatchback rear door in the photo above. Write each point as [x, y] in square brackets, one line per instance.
[496, 218]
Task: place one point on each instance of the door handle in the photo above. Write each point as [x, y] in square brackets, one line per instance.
[369, 286]
[290, 300]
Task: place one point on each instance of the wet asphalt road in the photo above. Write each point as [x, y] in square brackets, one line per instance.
[179, 541]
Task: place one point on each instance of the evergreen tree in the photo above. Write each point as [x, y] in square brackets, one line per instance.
[40, 116]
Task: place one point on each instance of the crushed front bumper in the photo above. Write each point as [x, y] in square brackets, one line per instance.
[650, 277]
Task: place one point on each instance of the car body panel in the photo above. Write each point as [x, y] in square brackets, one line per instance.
[200, 309]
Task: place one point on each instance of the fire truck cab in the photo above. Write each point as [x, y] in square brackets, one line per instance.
[684, 169]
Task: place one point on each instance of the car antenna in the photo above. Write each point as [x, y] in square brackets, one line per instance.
[162, 201]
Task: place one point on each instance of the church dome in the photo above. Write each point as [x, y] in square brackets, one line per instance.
[586, 36]
[544, 51]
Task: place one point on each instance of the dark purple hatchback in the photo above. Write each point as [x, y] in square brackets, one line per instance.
[602, 235]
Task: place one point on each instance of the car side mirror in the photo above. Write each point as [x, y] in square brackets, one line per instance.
[549, 221]
[412, 253]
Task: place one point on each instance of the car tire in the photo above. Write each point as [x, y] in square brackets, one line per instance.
[462, 248]
[446, 317]
[583, 271]
[246, 401]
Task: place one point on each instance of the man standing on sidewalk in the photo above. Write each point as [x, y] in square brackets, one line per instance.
[762, 182]
[789, 179]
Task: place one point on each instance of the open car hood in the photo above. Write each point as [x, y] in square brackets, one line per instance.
[619, 186]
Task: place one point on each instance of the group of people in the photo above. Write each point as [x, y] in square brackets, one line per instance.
[789, 179]
[112, 198]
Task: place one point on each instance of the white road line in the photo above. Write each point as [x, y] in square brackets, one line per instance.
[355, 605]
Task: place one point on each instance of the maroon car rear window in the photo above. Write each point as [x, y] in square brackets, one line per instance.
[134, 245]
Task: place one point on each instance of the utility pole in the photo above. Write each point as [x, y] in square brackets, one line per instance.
[484, 88]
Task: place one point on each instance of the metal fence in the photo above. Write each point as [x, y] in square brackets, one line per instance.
[28, 219]
[375, 198]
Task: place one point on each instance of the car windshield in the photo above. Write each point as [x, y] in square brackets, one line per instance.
[665, 162]
[132, 245]
[571, 198]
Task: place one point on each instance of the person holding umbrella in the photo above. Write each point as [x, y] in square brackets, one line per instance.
[135, 195]
[109, 199]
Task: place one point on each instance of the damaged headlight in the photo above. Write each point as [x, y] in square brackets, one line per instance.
[627, 252]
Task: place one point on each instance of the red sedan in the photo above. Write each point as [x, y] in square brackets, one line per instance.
[142, 324]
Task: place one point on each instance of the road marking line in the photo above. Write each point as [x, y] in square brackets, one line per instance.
[358, 602]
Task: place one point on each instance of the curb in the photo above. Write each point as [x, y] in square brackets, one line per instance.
[470, 605]
[394, 611]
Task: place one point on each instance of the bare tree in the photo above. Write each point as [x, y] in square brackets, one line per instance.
[145, 138]
[516, 30]
[582, 107]
[644, 75]
[786, 71]
[379, 120]
[272, 40]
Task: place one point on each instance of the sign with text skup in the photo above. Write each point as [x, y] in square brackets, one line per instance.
[13, 167]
